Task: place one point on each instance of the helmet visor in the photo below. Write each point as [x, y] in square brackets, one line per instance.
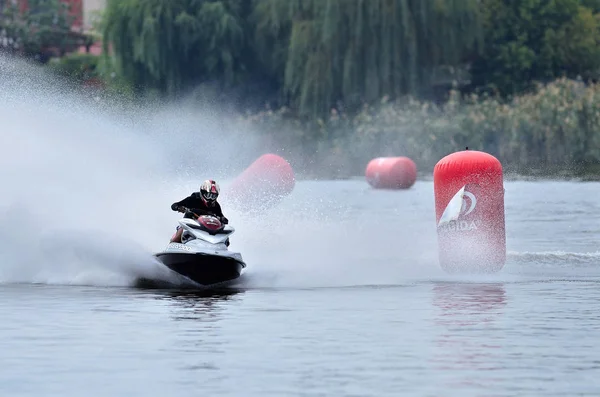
[210, 196]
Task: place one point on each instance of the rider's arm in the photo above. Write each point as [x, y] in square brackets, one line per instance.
[220, 213]
[182, 203]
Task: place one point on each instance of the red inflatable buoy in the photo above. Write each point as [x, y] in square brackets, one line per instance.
[469, 206]
[391, 173]
[264, 183]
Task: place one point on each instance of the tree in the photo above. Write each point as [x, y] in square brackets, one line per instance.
[534, 40]
[42, 28]
[170, 45]
[351, 52]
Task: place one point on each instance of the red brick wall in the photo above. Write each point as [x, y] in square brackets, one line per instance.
[76, 12]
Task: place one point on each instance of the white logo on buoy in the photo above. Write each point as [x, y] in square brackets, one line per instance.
[473, 199]
[460, 226]
[459, 205]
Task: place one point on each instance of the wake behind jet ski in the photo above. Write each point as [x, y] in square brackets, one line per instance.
[203, 255]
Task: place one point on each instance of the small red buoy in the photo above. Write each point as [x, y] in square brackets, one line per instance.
[469, 206]
[264, 183]
[391, 173]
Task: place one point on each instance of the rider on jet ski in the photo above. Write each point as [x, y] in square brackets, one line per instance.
[203, 202]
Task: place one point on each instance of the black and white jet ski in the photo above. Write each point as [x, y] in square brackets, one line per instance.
[203, 255]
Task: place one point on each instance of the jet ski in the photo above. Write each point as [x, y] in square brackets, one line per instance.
[203, 255]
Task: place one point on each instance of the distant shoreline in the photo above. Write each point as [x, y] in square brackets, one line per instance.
[588, 174]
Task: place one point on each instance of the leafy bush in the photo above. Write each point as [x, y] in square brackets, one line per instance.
[77, 66]
[556, 125]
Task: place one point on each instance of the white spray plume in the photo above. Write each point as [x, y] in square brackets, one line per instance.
[86, 190]
[84, 186]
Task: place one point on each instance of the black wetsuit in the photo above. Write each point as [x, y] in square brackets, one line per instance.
[195, 204]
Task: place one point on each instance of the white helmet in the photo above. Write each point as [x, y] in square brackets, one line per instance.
[209, 190]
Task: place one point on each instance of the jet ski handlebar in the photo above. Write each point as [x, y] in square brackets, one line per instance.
[187, 210]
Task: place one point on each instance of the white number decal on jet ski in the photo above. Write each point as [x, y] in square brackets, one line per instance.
[179, 246]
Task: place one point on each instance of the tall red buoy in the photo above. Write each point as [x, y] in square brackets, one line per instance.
[469, 206]
[391, 173]
[263, 184]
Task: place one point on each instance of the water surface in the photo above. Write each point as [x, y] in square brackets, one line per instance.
[343, 297]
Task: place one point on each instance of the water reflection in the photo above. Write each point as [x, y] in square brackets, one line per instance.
[467, 321]
[468, 304]
[203, 305]
[198, 331]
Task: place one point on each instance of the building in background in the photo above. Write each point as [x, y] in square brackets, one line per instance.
[84, 11]
[75, 6]
[90, 12]
[85, 14]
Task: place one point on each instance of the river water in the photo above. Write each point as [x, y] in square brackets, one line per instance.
[343, 296]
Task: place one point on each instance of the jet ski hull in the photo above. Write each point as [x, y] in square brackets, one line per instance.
[204, 269]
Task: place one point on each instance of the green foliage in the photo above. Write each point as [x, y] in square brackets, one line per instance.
[44, 26]
[593, 5]
[534, 40]
[324, 54]
[76, 66]
[319, 52]
[80, 69]
[169, 45]
[329, 52]
[354, 75]
[557, 124]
